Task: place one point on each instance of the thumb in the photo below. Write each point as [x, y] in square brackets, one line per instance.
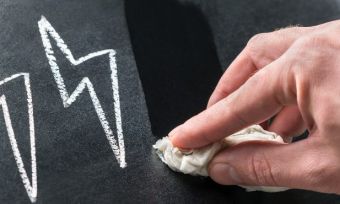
[296, 165]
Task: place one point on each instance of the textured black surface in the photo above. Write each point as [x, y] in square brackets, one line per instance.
[177, 62]
[74, 160]
[180, 48]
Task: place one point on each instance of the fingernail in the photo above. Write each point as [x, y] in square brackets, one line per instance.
[224, 174]
[186, 151]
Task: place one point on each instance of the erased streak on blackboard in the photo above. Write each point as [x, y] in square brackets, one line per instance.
[176, 59]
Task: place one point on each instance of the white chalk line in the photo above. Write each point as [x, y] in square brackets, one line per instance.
[46, 30]
[30, 189]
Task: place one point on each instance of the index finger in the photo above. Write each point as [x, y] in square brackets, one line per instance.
[259, 98]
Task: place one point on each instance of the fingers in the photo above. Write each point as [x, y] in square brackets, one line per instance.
[238, 72]
[296, 165]
[262, 96]
[288, 122]
[260, 51]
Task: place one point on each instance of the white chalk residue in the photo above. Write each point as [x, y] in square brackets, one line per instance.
[47, 30]
[31, 189]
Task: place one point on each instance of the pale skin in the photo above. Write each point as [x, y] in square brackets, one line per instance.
[293, 73]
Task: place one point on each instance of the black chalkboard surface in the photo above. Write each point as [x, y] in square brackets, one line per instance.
[86, 88]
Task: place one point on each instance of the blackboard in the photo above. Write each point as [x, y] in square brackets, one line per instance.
[82, 82]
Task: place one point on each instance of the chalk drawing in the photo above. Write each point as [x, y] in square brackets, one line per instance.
[47, 30]
[31, 189]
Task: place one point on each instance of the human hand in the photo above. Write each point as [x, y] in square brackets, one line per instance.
[293, 73]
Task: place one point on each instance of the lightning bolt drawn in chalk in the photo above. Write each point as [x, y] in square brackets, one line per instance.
[31, 189]
[47, 30]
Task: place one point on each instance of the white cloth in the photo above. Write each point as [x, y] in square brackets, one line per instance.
[196, 161]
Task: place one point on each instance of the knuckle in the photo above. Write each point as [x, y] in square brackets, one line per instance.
[224, 89]
[255, 43]
[257, 49]
[308, 54]
[312, 41]
[261, 172]
[258, 38]
[239, 117]
[289, 29]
